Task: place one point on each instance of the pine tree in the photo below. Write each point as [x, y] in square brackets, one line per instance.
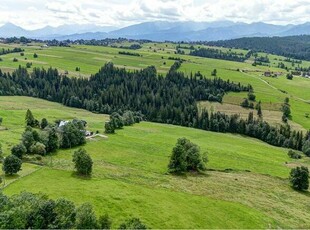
[30, 121]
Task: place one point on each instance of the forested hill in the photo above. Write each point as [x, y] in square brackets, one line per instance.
[293, 46]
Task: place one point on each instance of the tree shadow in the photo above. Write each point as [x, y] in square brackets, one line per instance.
[79, 176]
[11, 177]
[303, 192]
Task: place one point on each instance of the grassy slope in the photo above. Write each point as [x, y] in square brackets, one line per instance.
[130, 174]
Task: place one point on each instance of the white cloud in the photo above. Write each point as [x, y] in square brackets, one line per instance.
[38, 13]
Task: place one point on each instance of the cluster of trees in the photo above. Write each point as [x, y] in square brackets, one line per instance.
[299, 178]
[217, 54]
[289, 76]
[286, 109]
[120, 119]
[8, 51]
[37, 211]
[261, 60]
[281, 65]
[186, 157]
[171, 99]
[18, 40]
[281, 136]
[176, 59]
[293, 46]
[45, 141]
[129, 53]
[249, 102]
[294, 155]
[132, 47]
[306, 145]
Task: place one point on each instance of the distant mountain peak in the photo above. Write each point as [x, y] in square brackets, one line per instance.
[159, 30]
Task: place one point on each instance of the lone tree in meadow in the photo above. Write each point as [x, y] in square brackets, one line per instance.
[299, 178]
[186, 157]
[11, 165]
[82, 162]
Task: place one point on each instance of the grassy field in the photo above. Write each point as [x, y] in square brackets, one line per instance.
[271, 116]
[246, 184]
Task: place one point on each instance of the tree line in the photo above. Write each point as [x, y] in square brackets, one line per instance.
[129, 53]
[219, 54]
[292, 46]
[8, 51]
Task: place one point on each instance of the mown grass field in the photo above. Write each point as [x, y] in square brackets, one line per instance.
[246, 185]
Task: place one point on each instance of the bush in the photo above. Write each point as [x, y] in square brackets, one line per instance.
[19, 150]
[133, 223]
[186, 157]
[11, 165]
[86, 218]
[35, 55]
[292, 154]
[105, 222]
[82, 162]
[73, 134]
[28, 65]
[306, 148]
[65, 214]
[109, 127]
[38, 148]
[44, 123]
[299, 178]
[251, 96]
[245, 103]
[289, 76]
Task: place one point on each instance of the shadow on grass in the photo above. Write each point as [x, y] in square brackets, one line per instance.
[189, 174]
[79, 176]
[303, 192]
[11, 177]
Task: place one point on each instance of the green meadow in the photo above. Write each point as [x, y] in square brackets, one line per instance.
[246, 184]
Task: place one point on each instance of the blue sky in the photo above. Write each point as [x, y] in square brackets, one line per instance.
[33, 14]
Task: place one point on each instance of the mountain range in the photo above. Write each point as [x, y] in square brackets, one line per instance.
[160, 31]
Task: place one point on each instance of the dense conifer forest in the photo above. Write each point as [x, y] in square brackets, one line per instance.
[170, 99]
[218, 54]
[293, 46]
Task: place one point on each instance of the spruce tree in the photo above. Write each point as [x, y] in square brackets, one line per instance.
[30, 121]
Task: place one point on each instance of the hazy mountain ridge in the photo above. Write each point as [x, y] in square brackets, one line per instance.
[160, 31]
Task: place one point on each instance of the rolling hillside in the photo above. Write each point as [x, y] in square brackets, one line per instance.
[244, 185]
